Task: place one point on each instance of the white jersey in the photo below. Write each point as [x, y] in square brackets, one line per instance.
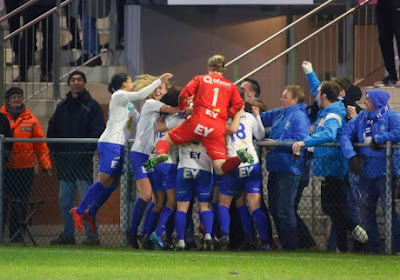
[192, 155]
[173, 151]
[243, 139]
[121, 113]
[146, 127]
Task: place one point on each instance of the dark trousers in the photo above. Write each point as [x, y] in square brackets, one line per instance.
[28, 45]
[388, 19]
[334, 204]
[17, 186]
[14, 24]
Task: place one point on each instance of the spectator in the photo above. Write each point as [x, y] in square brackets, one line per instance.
[250, 91]
[19, 170]
[91, 11]
[376, 125]
[77, 116]
[71, 14]
[28, 44]
[330, 163]
[289, 123]
[388, 19]
[14, 24]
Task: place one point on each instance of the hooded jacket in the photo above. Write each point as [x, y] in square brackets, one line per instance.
[23, 153]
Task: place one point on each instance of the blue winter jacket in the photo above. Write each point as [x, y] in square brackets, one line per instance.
[289, 124]
[328, 161]
[387, 128]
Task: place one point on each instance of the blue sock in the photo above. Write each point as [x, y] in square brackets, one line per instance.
[180, 224]
[224, 218]
[208, 219]
[169, 229]
[102, 199]
[139, 208]
[91, 196]
[164, 216]
[247, 221]
[150, 222]
[261, 223]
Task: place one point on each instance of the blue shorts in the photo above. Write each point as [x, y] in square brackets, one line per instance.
[111, 158]
[196, 181]
[217, 179]
[163, 177]
[246, 178]
[137, 160]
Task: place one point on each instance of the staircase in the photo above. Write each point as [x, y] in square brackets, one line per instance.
[39, 95]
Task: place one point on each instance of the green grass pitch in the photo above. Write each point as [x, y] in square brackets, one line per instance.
[17, 262]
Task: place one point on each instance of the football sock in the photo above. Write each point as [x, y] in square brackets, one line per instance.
[208, 219]
[180, 224]
[92, 195]
[138, 210]
[247, 221]
[102, 199]
[261, 223]
[224, 219]
[150, 222]
[164, 216]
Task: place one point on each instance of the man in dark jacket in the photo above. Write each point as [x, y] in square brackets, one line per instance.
[77, 116]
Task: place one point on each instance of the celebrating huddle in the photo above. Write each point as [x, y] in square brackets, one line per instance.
[198, 142]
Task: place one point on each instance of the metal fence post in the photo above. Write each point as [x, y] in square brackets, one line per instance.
[388, 202]
[56, 51]
[125, 192]
[1, 184]
[3, 69]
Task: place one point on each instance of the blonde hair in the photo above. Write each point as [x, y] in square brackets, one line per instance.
[143, 81]
[217, 63]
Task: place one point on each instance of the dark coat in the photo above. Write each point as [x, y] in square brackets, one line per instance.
[5, 129]
[75, 118]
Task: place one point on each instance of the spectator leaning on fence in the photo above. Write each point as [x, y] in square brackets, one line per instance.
[330, 163]
[374, 126]
[289, 123]
[76, 116]
[19, 170]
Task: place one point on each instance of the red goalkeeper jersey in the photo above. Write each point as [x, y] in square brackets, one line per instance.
[212, 92]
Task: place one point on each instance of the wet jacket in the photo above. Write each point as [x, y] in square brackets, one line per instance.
[80, 117]
[5, 130]
[328, 161]
[289, 124]
[386, 128]
[23, 153]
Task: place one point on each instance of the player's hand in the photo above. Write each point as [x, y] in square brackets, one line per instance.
[255, 110]
[297, 146]
[307, 67]
[165, 77]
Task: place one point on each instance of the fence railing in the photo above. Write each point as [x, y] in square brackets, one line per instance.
[74, 170]
[56, 31]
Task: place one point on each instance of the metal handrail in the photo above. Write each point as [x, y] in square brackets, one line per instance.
[302, 41]
[17, 10]
[279, 32]
[29, 24]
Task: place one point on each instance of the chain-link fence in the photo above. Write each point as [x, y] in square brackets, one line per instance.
[37, 200]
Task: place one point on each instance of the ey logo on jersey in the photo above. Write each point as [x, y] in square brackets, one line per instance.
[211, 113]
[245, 171]
[202, 130]
[115, 162]
[190, 173]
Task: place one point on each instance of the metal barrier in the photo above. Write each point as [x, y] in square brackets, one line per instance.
[114, 217]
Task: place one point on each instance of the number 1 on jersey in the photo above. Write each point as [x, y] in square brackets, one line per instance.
[215, 98]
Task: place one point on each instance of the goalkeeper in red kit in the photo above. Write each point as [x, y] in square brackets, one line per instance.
[215, 99]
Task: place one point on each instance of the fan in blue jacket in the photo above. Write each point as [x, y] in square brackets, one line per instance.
[330, 163]
[374, 126]
[289, 123]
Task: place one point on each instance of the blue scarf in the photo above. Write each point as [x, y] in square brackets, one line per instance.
[371, 121]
